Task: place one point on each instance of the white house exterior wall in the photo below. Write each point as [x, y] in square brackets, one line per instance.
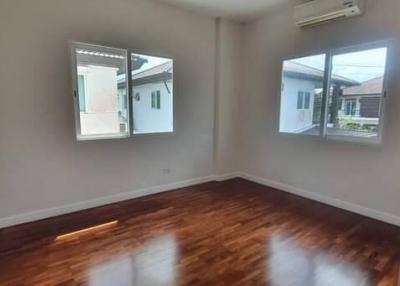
[151, 120]
[293, 120]
[101, 100]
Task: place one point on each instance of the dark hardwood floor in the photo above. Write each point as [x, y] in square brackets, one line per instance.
[228, 233]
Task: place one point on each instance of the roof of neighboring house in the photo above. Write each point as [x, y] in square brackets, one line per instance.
[370, 87]
[158, 73]
[301, 71]
[155, 74]
[160, 69]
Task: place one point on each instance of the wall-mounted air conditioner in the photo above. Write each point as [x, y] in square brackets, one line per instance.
[321, 11]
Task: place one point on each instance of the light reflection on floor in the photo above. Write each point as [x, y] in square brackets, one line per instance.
[289, 264]
[152, 265]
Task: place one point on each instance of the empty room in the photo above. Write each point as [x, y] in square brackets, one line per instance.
[199, 142]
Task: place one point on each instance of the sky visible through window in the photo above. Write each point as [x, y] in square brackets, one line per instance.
[371, 62]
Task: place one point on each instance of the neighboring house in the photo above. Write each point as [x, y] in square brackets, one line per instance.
[98, 99]
[301, 96]
[152, 99]
[362, 102]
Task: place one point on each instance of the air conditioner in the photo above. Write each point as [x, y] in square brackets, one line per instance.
[321, 11]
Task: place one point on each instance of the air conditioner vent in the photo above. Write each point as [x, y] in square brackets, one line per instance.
[321, 11]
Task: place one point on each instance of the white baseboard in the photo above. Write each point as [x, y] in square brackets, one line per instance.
[227, 176]
[355, 208]
[56, 211]
[70, 208]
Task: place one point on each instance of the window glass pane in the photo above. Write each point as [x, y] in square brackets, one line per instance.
[307, 98]
[355, 94]
[153, 100]
[152, 79]
[301, 95]
[82, 95]
[158, 99]
[102, 92]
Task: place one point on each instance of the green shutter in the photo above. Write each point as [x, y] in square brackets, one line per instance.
[81, 93]
[158, 100]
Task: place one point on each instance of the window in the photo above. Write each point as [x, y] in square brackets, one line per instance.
[300, 98]
[351, 105]
[341, 97]
[155, 100]
[303, 100]
[340, 103]
[362, 75]
[307, 100]
[107, 100]
[153, 80]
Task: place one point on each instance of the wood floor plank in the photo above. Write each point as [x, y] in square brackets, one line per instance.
[221, 233]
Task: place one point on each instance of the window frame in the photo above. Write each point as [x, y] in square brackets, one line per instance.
[129, 91]
[329, 54]
[353, 106]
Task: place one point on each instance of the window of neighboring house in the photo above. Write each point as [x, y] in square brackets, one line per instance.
[82, 93]
[156, 99]
[351, 106]
[334, 80]
[124, 102]
[307, 98]
[153, 100]
[340, 103]
[300, 99]
[107, 100]
[137, 96]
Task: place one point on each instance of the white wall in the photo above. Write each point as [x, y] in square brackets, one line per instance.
[41, 163]
[359, 174]
[228, 89]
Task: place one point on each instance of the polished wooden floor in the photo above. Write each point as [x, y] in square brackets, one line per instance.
[229, 233]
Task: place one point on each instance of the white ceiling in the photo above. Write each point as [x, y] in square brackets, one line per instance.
[240, 10]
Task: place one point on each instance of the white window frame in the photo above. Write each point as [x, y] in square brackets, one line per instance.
[329, 54]
[73, 45]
